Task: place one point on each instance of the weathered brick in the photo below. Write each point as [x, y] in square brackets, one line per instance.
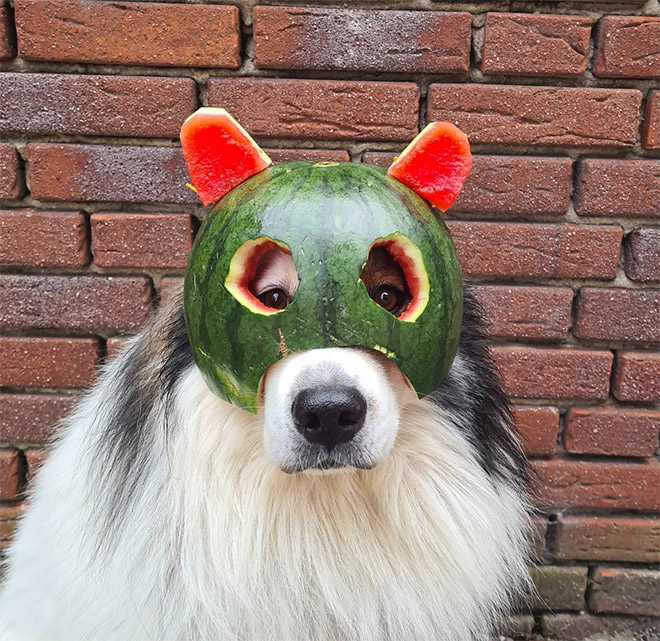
[128, 33]
[529, 372]
[618, 314]
[611, 431]
[622, 486]
[537, 251]
[557, 116]
[47, 361]
[607, 538]
[114, 344]
[637, 376]
[316, 155]
[12, 184]
[76, 302]
[617, 187]
[9, 515]
[169, 287]
[348, 39]
[141, 240]
[559, 588]
[108, 174]
[34, 460]
[43, 238]
[535, 45]
[39, 103]
[542, 313]
[642, 252]
[628, 47]
[538, 428]
[627, 591]
[9, 475]
[7, 35]
[582, 627]
[332, 109]
[651, 124]
[516, 626]
[30, 418]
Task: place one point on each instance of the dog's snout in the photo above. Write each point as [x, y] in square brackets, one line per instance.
[329, 415]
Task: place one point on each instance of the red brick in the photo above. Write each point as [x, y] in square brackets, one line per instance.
[637, 376]
[10, 482]
[628, 47]
[607, 538]
[611, 431]
[580, 484]
[114, 344]
[331, 109]
[48, 362]
[30, 418]
[7, 35]
[651, 124]
[537, 251]
[538, 428]
[583, 627]
[128, 33]
[38, 103]
[11, 173]
[9, 515]
[618, 315]
[541, 313]
[617, 187]
[627, 591]
[535, 45]
[557, 116]
[642, 251]
[43, 238]
[34, 459]
[316, 155]
[529, 372]
[159, 241]
[539, 533]
[169, 287]
[108, 174]
[559, 588]
[75, 302]
[353, 40]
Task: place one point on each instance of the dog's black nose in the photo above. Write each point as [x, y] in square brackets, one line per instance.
[329, 415]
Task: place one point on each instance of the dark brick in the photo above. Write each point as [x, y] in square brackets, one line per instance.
[651, 124]
[30, 418]
[48, 362]
[9, 515]
[11, 173]
[159, 241]
[538, 536]
[529, 372]
[535, 45]
[637, 376]
[9, 475]
[538, 429]
[611, 431]
[607, 538]
[580, 627]
[43, 238]
[316, 155]
[559, 588]
[625, 591]
[537, 251]
[642, 251]
[618, 315]
[617, 187]
[331, 109]
[557, 116]
[540, 313]
[38, 103]
[516, 626]
[128, 33]
[108, 174]
[348, 39]
[628, 47]
[7, 35]
[74, 302]
[580, 484]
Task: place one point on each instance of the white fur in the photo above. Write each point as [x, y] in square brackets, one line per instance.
[220, 544]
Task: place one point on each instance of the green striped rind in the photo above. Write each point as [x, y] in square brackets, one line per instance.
[328, 215]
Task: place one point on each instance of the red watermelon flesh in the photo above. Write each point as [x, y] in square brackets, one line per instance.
[219, 153]
[435, 164]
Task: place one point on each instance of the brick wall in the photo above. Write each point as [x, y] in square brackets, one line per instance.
[558, 223]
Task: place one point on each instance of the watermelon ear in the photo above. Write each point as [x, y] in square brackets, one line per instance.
[435, 164]
[219, 153]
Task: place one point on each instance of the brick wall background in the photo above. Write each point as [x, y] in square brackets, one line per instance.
[558, 223]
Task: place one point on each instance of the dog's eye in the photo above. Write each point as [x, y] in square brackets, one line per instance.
[385, 281]
[389, 298]
[275, 298]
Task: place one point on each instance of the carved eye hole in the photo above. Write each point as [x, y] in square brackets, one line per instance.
[385, 281]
